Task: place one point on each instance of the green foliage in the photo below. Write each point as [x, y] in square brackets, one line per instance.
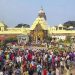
[60, 41]
[1, 44]
[68, 40]
[30, 39]
[5, 26]
[69, 23]
[8, 40]
[56, 52]
[48, 38]
[24, 25]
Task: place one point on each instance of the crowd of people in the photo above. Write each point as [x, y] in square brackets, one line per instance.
[36, 62]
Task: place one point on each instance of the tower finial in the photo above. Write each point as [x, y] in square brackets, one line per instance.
[41, 7]
[42, 13]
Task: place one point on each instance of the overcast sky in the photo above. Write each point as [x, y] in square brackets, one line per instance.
[13, 12]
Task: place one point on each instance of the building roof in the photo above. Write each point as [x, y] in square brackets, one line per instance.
[40, 21]
[60, 25]
[54, 27]
[1, 24]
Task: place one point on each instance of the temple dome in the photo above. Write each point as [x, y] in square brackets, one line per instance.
[70, 27]
[60, 25]
[41, 11]
[42, 14]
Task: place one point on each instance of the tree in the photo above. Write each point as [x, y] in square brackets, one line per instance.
[68, 40]
[9, 40]
[1, 44]
[69, 23]
[60, 41]
[48, 39]
[24, 25]
[30, 39]
[5, 27]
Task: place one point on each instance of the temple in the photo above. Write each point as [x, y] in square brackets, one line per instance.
[38, 31]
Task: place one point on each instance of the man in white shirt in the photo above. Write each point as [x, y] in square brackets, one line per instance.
[1, 73]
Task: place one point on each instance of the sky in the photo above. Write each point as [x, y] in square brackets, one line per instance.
[13, 12]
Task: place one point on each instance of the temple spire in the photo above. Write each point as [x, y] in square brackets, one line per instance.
[41, 7]
[41, 13]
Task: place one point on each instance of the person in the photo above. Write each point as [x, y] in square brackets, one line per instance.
[44, 71]
[67, 70]
[62, 66]
[26, 73]
[53, 72]
[57, 71]
[1, 72]
[39, 68]
[31, 71]
[71, 74]
[35, 73]
[17, 72]
[49, 72]
[68, 62]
